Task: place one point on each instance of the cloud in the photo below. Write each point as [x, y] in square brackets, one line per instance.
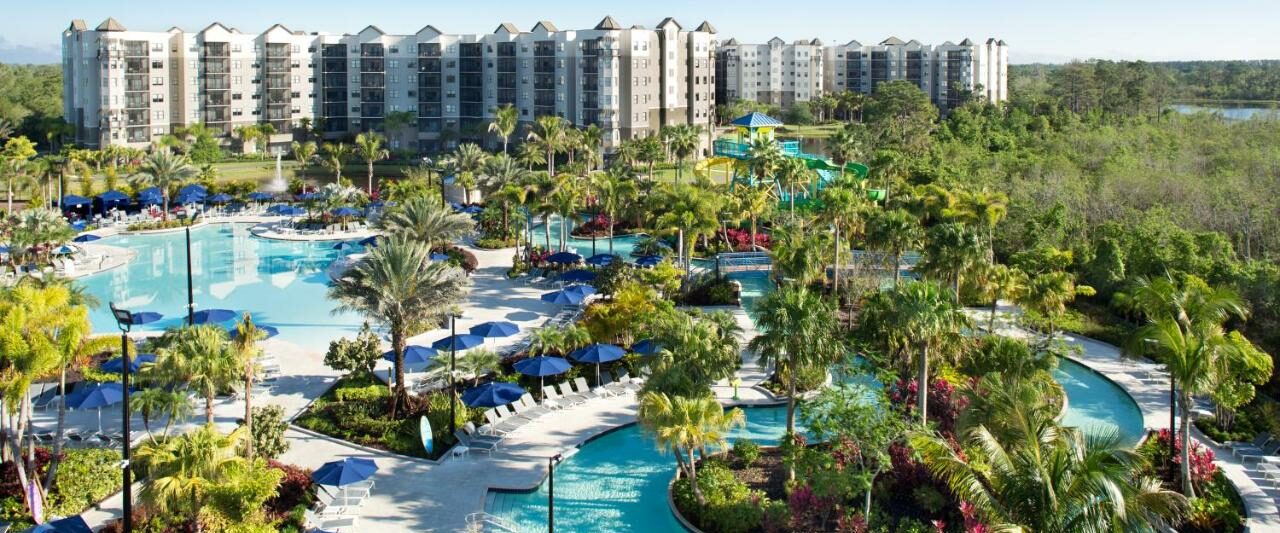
[23, 54]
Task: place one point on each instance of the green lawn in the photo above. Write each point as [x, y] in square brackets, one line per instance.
[817, 131]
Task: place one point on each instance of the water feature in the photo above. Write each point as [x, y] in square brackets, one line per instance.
[1229, 111]
[622, 244]
[277, 183]
[282, 283]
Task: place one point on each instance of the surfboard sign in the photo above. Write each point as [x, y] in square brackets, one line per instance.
[424, 428]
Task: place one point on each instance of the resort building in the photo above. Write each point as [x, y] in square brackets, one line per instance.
[781, 74]
[129, 88]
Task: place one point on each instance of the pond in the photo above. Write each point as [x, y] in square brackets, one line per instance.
[1243, 111]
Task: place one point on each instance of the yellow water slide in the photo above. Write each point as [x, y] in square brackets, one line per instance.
[716, 169]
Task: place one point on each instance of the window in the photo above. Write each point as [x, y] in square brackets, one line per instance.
[235, 48]
[236, 96]
[157, 131]
[295, 48]
[157, 97]
[393, 63]
[157, 64]
[237, 80]
[157, 47]
[157, 81]
[235, 63]
[159, 115]
[296, 79]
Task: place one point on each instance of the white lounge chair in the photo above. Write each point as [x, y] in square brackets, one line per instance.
[551, 398]
[528, 408]
[331, 524]
[569, 396]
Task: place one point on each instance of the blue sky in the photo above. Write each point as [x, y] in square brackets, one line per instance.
[1037, 30]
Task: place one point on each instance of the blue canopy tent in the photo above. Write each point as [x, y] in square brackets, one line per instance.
[70, 524]
[600, 260]
[564, 258]
[194, 188]
[458, 342]
[110, 199]
[413, 355]
[116, 364]
[598, 353]
[150, 196]
[213, 316]
[73, 201]
[541, 367]
[578, 275]
[492, 394]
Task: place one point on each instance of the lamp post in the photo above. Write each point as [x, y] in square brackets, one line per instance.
[124, 320]
[191, 295]
[551, 491]
[453, 351]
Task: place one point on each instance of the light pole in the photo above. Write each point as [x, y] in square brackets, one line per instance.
[453, 351]
[124, 320]
[551, 491]
[191, 295]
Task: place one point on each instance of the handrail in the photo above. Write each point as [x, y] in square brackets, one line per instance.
[486, 520]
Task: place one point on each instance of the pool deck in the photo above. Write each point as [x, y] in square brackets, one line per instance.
[1150, 389]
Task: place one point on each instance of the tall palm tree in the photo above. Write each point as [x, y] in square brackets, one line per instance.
[423, 220]
[1000, 282]
[304, 152]
[467, 161]
[651, 152]
[369, 148]
[505, 119]
[1048, 294]
[529, 154]
[792, 173]
[503, 173]
[550, 133]
[335, 156]
[245, 348]
[181, 469]
[798, 255]
[613, 189]
[843, 205]
[567, 198]
[894, 231]
[753, 202]
[592, 137]
[917, 314]
[1052, 479]
[684, 142]
[764, 157]
[165, 170]
[153, 402]
[398, 286]
[847, 145]
[797, 333]
[200, 358]
[951, 250]
[683, 425]
[691, 212]
[984, 209]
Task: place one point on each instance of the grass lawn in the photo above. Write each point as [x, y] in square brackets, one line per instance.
[817, 131]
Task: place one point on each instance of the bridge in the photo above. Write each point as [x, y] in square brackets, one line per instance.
[744, 262]
[860, 262]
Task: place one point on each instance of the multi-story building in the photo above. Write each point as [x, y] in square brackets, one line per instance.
[781, 74]
[127, 87]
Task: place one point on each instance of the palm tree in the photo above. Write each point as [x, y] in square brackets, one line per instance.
[369, 148]
[1000, 282]
[691, 213]
[467, 161]
[951, 250]
[984, 209]
[165, 170]
[752, 203]
[918, 313]
[651, 151]
[1049, 478]
[797, 333]
[399, 287]
[763, 159]
[181, 469]
[1049, 293]
[503, 176]
[798, 255]
[567, 198]
[549, 133]
[154, 402]
[613, 189]
[505, 119]
[304, 152]
[792, 172]
[894, 231]
[200, 358]
[245, 348]
[684, 142]
[335, 156]
[683, 425]
[422, 220]
[592, 137]
[843, 204]
[846, 145]
[529, 154]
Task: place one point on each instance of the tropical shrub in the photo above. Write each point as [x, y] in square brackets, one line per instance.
[355, 356]
[84, 478]
[269, 427]
[1167, 461]
[944, 403]
[746, 450]
[730, 506]
[1217, 509]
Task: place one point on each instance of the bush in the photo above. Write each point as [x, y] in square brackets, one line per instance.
[495, 243]
[355, 356]
[731, 506]
[294, 489]
[85, 477]
[1218, 508]
[157, 225]
[1168, 460]
[747, 451]
[269, 427]
[367, 393]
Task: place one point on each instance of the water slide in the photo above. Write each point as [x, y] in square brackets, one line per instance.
[716, 167]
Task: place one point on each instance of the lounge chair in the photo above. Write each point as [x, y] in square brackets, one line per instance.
[474, 433]
[74, 437]
[1254, 447]
[510, 419]
[528, 408]
[486, 447]
[1257, 443]
[570, 397]
[492, 422]
[580, 386]
[1267, 451]
[331, 524]
[551, 398]
[623, 385]
[1271, 472]
[607, 386]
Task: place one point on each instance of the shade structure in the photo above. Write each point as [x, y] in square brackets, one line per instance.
[600, 260]
[646, 347]
[649, 261]
[473, 210]
[345, 212]
[495, 330]
[70, 524]
[371, 241]
[578, 275]
[194, 188]
[345, 472]
[260, 196]
[542, 366]
[150, 196]
[64, 250]
[212, 316]
[492, 394]
[112, 196]
[72, 200]
[270, 331]
[276, 209]
[598, 353]
[564, 258]
[290, 211]
[97, 397]
[308, 196]
[458, 342]
[221, 198]
[438, 257]
[756, 120]
[144, 317]
[564, 297]
[584, 290]
[79, 225]
[191, 198]
[413, 355]
[116, 364]
[88, 237]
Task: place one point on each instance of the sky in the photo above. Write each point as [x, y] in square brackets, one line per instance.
[1052, 31]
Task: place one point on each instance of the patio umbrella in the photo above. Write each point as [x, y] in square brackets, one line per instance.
[492, 394]
[221, 198]
[88, 237]
[79, 225]
[600, 260]
[578, 275]
[584, 290]
[439, 257]
[276, 209]
[194, 188]
[459, 342]
[292, 211]
[65, 250]
[598, 353]
[564, 297]
[541, 367]
[144, 317]
[308, 196]
[72, 200]
[564, 258]
[190, 198]
[270, 331]
[112, 197]
[646, 347]
[116, 364]
[213, 316]
[260, 196]
[343, 245]
[370, 241]
[493, 330]
[413, 355]
[345, 472]
[99, 396]
[473, 210]
[150, 196]
[345, 212]
[70, 524]
[649, 261]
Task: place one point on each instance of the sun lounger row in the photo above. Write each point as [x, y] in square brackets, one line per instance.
[503, 420]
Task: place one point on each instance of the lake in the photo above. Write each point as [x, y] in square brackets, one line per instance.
[1229, 111]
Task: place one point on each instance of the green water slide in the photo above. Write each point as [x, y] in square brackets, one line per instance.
[856, 168]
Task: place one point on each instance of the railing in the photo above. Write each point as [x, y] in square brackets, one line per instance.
[744, 261]
[738, 150]
[488, 522]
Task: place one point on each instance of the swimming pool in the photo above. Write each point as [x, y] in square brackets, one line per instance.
[622, 244]
[1096, 405]
[282, 283]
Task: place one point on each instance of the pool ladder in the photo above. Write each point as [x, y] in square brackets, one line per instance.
[481, 522]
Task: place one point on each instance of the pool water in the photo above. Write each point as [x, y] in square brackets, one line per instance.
[622, 244]
[1098, 406]
[281, 283]
[755, 285]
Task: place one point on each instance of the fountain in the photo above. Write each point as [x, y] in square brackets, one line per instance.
[278, 184]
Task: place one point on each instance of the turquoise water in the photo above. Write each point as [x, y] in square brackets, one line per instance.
[754, 286]
[282, 283]
[622, 244]
[1097, 405]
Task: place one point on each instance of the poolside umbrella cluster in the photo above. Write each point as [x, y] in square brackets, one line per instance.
[598, 353]
[150, 196]
[646, 347]
[413, 355]
[97, 397]
[493, 330]
[270, 331]
[191, 194]
[212, 316]
[111, 199]
[345, 472]
[116, 364]
[286, 210]
[88, 237]
[220, 198]
[458, 342]
[70, 524]
[578, 275]
[600, 260]
[649, 261]
[492, 394]
[260, 196]
[564, 258]
[541, 367]
[571, 295]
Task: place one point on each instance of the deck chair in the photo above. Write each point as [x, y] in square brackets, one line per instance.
[551, 398]
[471, 431]
[1266, 452]
[486, 447]
[530, 409]
[331, 524]
[569, 396]
[580, 386]
[1252, 447]
[1256, 444]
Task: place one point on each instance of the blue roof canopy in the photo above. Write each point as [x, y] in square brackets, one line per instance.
[756, 120]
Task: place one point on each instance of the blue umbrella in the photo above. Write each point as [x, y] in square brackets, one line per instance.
[72, 200]
[150, 196]
[88, 237]
[598, 353]
[583, 290]
[345, 212]
[494, 330]
[492, 394]
[286, 210]
[97, 397]
[70, 524]
[79, 225]
[578, 275]
[473, 210]
[458, 342]
[213, 316]
[439, 257]
[194, 188]
[343, 245]
[600, 260]
[564, 258]
[221, 198]
[260, 196]
[371, 241]
[345, 472]
[413, 355]
[542, 366]
[144, 317]
[646, 347]
[277, 209]
[4, 249]
[270, 331]
[564, 297]
[65, 250]
[308, 196]
[190, 198]
[649, 261]
[112, 196]
[116, 364]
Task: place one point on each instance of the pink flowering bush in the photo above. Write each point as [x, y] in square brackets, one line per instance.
[944, 402]
[1168, 462]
